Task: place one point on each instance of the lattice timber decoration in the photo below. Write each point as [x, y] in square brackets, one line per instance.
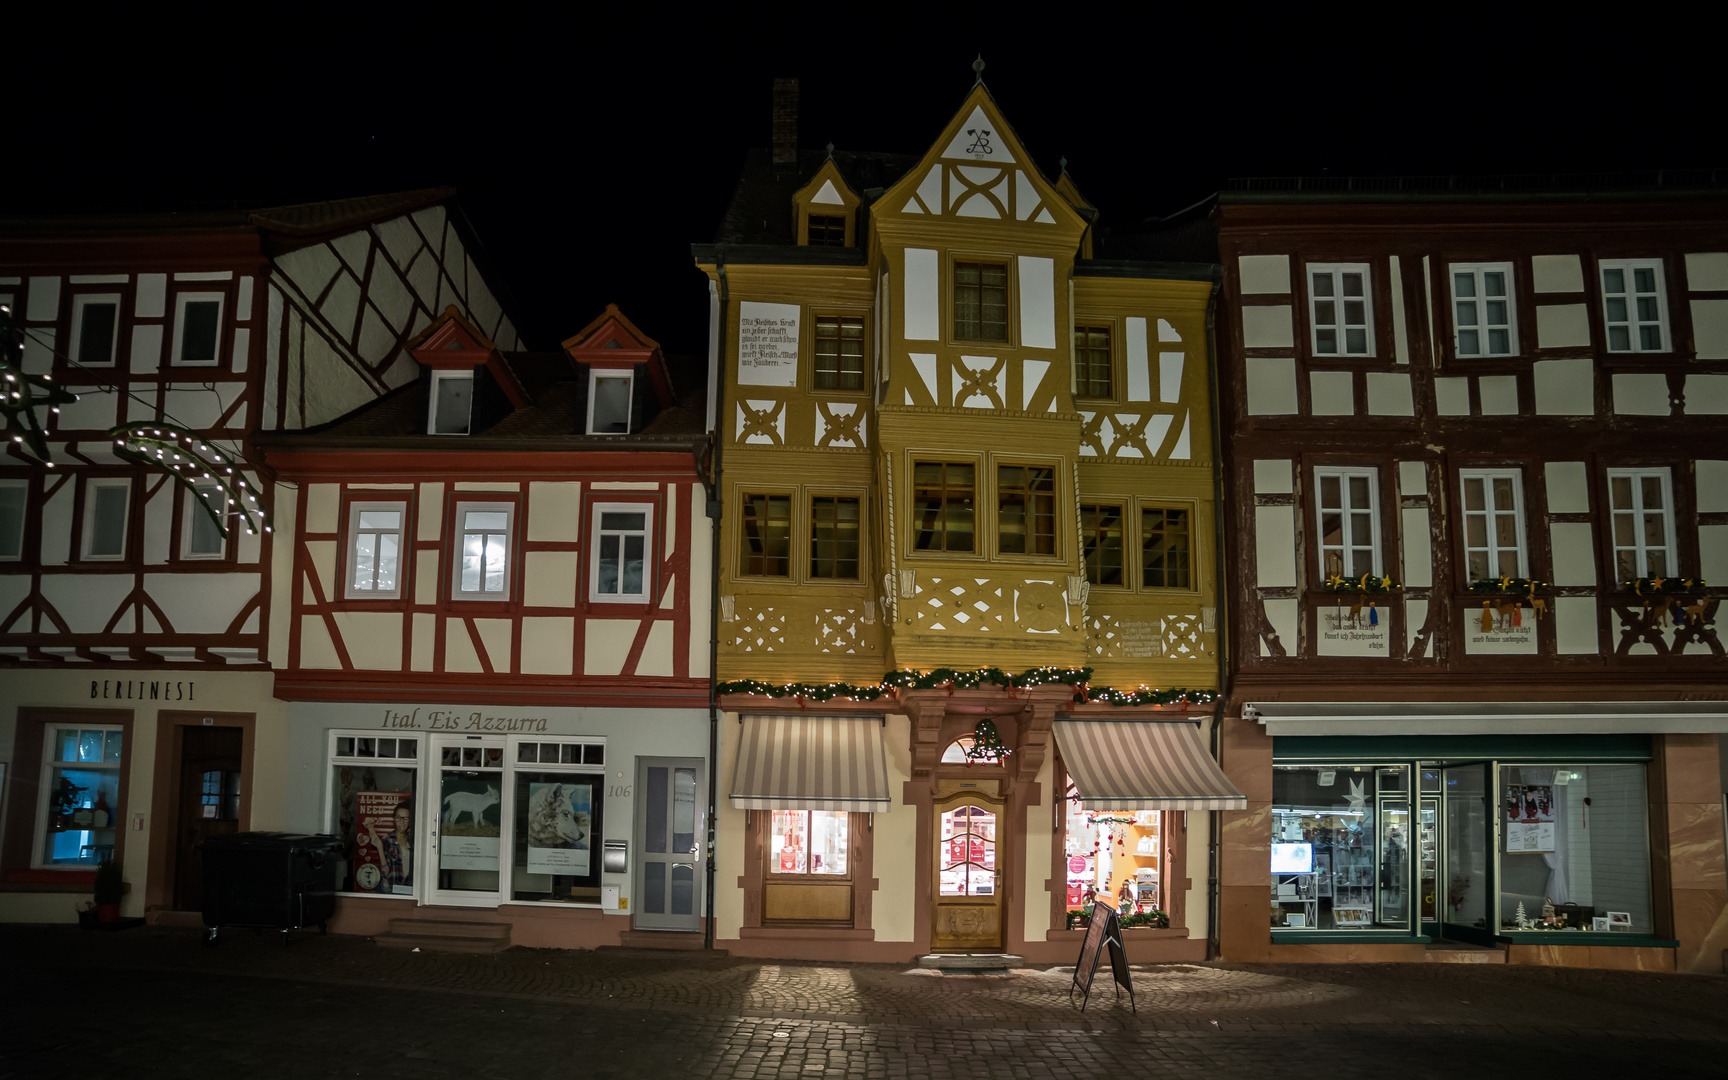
[194, 462]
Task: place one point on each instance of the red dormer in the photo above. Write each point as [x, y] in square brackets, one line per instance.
[454, 352]
[615, 357]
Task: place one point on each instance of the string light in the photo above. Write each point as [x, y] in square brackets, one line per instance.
[949, 678]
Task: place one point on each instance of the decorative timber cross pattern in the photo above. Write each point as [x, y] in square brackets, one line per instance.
[1132, 433]
[758, 422]
[973, 382]
[842, 426]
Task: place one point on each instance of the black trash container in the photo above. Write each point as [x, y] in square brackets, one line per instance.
[279, 881]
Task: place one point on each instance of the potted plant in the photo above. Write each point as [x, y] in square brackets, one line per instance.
[109, 888]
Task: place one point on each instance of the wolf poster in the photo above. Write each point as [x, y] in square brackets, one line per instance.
[560, 820]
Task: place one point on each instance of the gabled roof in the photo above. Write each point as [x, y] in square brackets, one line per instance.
[761, 208]
[612, 340]
[293, 221]
[452, 342]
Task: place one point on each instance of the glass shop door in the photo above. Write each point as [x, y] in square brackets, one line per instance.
[1467, 901]
[465, 826]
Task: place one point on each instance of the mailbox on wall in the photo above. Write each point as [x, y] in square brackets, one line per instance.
[615, 857]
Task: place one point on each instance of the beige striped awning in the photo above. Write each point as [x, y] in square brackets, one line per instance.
[1128, 765]
[811, 763]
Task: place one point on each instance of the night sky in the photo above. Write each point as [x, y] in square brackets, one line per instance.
[589, 156]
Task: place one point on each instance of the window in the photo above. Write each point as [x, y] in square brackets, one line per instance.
[1483, 310]
[834, 522]
[375, 550]
[1114, 854]
[942, 501]
[1101, 538]
[107, 513]
[1642, 505]
[619, 569]
[1340, 856]
[1166, 552]
[14, 497]
[374, 781]
[980, 301]
[559, 786]
[1349, 509]
[826, 231]
[1576, 834]
[1025, 510]
[967, 859]
[1092, 367]
[609, 402]
[95, 329]
[452, 407]
[1634, 308]
[767, 533]
[839, 353]
[201, 539]
[1494, 524]
[197, 325]
[482, 570]
[809, 842]
[1339, 310]
[80, 810]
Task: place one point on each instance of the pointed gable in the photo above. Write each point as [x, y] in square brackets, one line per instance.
[452, 343]
[613, 341]
[825, 210]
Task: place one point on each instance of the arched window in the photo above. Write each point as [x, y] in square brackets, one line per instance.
[956, 754]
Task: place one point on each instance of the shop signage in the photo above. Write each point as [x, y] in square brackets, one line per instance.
[1529, 817]
[469, 822]
[423, 719]
[768, 344]
[1361, 634]
[1102, 932]
[141, 690]
[560, 821]
[1506, 631]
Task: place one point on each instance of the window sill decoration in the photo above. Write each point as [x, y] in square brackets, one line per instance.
[1661, 595]
[951, 680]
[1078, 918]
[1367, 583]
[1510, 606]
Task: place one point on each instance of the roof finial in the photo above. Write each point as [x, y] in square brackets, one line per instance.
[1063, 164]
[830, 151]
[978, 70]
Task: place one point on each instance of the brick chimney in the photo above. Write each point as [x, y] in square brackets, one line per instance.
[785, 124]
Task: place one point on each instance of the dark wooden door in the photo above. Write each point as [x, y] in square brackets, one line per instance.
[209, 804]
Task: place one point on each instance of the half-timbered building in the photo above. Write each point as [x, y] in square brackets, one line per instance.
[494, 611]
[137, 627]
[1479, 536]
[959, 447]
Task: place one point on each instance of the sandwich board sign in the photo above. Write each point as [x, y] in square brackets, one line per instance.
[1102, 932]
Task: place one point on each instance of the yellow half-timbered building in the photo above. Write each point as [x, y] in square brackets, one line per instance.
[957, 447]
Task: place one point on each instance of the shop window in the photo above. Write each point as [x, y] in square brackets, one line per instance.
[482, 566]
[1092, 366]
[1116, 854]
[839, 353]
[95, 326]
[810, 862]
[80, 809]
[107, 518]
[1101, 539]
[1166, 548]
[372, 808]
[1349, 510]
[1642, 506]
[559, 787]
[452, 403]
[1575, 840]
[1025, 510]
[201, 539]
[1493, 524]
[834, 523]
[980, 301]
[618, 572]
[197, 327]
[767, 534]
[809, 842]
[375, 542]
[942, 505]
[14, 497]
[1340, 847]
[609, 402]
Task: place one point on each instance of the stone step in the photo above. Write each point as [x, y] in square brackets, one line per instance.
[964, 962]
[674, 940]
[1464, 954]
[442, 943]
[458, 928]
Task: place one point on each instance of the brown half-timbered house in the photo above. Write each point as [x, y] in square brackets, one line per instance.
[1478, 545]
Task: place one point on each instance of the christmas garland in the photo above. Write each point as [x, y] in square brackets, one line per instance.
[949, 678]
[1367, 583]
[1526, 586]
[1663, 586]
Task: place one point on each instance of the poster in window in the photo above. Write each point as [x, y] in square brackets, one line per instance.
[560, 819]
[383, 855]
[1529, 817]
[468, 825]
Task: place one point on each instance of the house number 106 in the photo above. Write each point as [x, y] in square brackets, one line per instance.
[619, 791]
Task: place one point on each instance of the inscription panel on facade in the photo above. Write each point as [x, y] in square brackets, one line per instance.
[768, 344]
[1341, 632]
[1499, 631]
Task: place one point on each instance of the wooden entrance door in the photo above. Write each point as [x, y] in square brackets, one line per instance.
[209, 804]
[967, 915]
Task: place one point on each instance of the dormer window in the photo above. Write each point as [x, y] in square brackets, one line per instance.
[452, 405]
[609, 402]
[822, 230]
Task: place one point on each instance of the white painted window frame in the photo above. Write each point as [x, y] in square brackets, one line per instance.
[1337, 271]
[467, 375]
[413, 763]
[1639, 512]
[50, 748]
[81, 301]
[1345, 473]
[1486, 477]
[650, 553]
[1478, 272]
[351, 538]
[1632, 323]
[180, 302]
[512, 822]
[594, 377]
[22, 486]
[190, 513]
[87, 540]
[460, 536]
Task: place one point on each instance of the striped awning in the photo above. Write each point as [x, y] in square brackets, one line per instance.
[811, 763]
[1128, 765]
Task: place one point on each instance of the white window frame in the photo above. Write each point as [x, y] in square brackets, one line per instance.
[1638, 513]
[1345, 474]
[354, 760]
[180, 302]
[49, 762]
[1493, 549]
[88, 539]
[1478, 272]
[465, 374]
[594, 377]
[351, 538]
[511, 823]
[650, 553]
[23, 487]
[1632, 323]
[76, 339]
[1336, 271]
[463, 509]
[190, 513]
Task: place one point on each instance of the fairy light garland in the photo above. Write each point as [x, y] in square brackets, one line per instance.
[951, 679]
[22, 393]
[194, 461]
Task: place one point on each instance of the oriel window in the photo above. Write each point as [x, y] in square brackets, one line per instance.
[1025, 510]
[942, 505]
[1101, 533]
[834, 537]
[1092, 367]
[1166, 554]
[980, 301]
[839, 353]
[767, 548]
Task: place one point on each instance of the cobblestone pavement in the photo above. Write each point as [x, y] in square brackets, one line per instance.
[154, 1003]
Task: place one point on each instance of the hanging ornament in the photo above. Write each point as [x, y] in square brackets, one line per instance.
[22, 393]
[194, 462]
[987, 745]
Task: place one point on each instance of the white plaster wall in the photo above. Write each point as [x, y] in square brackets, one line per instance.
[1707, 271]
[1271, 386]
[1270, 327]
[728, 836]
[1640, 394]
[1574, 553]
[1332, 393]
[1575, 625]
[1568, 487]
[1283, 615]
[1713, 552]
[1037, 302]
[1556, 273]
[1272, 476]
[1452, 396]
[1706, 395]
[1710, 328]
[1412, 478]
[1389, 394]
[1499, 395]
[1418, 549]
[1263, 274]
[1564, 387]
[1562, 326]
[1275, 546]
[287, 507]
[922, 290]
[1711, 485]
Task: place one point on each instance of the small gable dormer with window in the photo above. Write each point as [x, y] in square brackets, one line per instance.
[826, 209]
[469, 386]
[621, 377]
[1066, 188]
